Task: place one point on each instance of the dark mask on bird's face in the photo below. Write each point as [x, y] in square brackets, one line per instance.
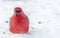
[17, 12]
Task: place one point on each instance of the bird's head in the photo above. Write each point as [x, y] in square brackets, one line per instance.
[17, 10]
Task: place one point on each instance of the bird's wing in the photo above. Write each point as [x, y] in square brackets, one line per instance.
[27, 19]
[10, 21]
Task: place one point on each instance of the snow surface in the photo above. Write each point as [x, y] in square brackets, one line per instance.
[44, 17]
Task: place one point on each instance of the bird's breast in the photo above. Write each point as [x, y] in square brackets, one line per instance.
[19, 20]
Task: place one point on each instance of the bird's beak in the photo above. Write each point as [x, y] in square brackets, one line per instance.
[16, 13]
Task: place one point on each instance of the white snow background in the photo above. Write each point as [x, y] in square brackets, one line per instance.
[44, 17]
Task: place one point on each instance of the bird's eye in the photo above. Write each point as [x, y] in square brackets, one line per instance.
[18, 11]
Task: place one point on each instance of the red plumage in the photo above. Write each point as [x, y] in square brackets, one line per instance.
[19, 22]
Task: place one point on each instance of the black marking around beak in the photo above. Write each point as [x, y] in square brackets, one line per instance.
[17, 12]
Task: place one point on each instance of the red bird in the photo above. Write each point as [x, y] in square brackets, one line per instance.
[19, 22]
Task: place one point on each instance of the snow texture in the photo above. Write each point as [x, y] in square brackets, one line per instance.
[44, 17]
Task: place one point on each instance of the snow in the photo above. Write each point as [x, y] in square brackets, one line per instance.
[47, 12]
